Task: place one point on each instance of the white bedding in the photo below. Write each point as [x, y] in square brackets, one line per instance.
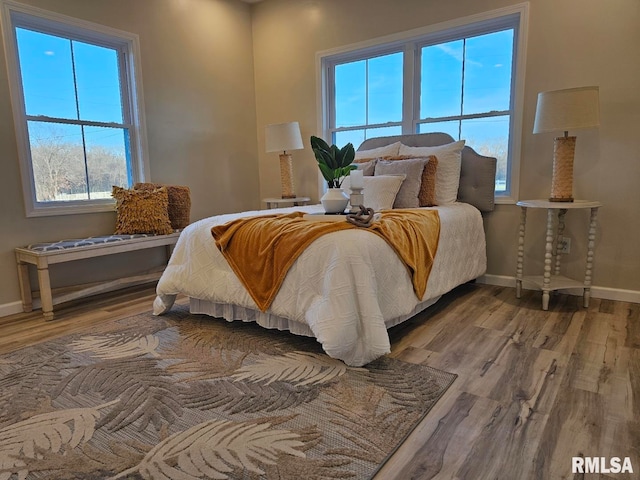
[345, 289]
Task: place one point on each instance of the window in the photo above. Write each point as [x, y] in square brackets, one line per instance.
[368, 98]
[461, 79]
[78, 124]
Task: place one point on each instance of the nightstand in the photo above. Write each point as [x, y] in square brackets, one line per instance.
[551, 279]
[277, 202]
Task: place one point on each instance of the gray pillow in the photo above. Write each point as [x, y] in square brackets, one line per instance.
[368, 168]
[408, 196]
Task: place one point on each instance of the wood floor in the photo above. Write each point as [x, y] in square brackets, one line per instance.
[534, 388]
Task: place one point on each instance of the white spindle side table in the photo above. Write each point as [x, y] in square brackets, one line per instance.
[552, 279]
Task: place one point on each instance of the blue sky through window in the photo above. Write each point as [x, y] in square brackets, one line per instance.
[464, 90]
[441, 80]
[487, 78]
[54, 68]
[369, 91]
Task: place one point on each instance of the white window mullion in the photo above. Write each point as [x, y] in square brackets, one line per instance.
[329, 126]
[410, 94]
[44, 118]
[368, 126]
[469, 116]
[464, 58]
[366, 96]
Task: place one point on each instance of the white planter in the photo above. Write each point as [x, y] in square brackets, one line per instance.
[334, 200]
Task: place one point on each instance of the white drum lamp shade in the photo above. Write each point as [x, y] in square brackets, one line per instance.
[564, 110]
[281, 137]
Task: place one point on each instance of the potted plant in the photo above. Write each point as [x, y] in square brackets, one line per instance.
[334, 164]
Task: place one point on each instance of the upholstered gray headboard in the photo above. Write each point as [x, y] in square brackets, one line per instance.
[477, 175]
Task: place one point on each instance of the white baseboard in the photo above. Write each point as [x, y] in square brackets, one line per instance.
[618, 294]
[10, 308]
[606, 293]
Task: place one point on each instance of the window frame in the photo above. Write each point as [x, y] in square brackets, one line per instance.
[16, 15]
[411, 42]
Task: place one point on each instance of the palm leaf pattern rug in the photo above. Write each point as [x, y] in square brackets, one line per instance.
[190, 397]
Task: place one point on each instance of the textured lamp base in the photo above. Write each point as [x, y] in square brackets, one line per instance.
[562, 181]
[286, 175]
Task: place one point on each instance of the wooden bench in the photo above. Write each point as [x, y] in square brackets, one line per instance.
[43, 255]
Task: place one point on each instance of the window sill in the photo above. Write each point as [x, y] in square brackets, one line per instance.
[504, 200]
[70, 209]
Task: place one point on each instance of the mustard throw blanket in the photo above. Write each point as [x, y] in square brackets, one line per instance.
[260, 250]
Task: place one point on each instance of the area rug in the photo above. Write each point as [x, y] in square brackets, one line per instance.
[190, 397]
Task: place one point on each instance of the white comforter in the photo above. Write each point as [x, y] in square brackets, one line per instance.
[347, 287]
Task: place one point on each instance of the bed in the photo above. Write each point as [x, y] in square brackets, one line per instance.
[347, 288]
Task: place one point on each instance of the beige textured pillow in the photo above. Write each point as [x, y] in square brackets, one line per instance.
[412, 169]
[179, 207]
[427, 195]
[141, 211]
[449, 164]
[379, 191]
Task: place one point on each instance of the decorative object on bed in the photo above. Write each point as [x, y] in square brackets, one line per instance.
[281, 137]
[362, 217]
[334, 200]
[379, 191]
[346, 288]
[179, 202]
[408, 195]
[187, 397]
[334, 164]
[564, 110]
[449, 163]
[142, 211]
[356, 185]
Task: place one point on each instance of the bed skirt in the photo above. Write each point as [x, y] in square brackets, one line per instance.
[233, 313]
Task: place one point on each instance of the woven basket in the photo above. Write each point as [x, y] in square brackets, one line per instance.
[179, 207]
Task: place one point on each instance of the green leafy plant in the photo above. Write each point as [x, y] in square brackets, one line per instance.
[334, 163]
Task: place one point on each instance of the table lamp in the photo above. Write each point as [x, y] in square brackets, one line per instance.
[564, 110]
[281, 137]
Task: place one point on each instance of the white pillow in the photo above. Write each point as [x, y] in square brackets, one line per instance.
[448, 173]
[386, 151]
[379, 191]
